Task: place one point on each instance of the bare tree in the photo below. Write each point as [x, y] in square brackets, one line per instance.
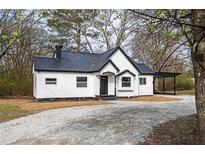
[11, 22]
[18, 49]
[194, 32]
[90, 30]
[198, 59]
[115, 27]
[160, 46]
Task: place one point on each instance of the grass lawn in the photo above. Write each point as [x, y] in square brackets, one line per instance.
[11, 111]
[15, 108]
[153, 98]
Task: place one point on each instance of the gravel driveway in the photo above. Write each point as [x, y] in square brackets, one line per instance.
[121, 122]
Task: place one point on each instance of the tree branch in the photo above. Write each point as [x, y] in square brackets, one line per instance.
[167, 20]
[171, 55]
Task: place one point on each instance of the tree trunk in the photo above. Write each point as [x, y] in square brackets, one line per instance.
[198, 59]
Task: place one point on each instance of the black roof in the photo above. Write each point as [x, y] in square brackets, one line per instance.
[82, 62]
[166, 74]
[142, 68]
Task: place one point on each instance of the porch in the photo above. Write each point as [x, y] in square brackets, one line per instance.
[107, 87]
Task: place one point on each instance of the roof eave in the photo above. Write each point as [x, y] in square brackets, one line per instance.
[72, 71]
[146, 73]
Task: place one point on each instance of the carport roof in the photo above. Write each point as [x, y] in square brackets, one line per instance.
[166, 74]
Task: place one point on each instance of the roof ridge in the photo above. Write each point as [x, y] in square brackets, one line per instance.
[136, 62]
[139, 63]
[90, 52]
[108, 57]
[44, 57]
[110, 50]
[80, 52]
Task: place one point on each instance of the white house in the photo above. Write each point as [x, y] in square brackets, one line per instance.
[79, 75]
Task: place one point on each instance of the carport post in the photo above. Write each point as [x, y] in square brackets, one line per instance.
[174, 84]
[115, 85]
[163, 85]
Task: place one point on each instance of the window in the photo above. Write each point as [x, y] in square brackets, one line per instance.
[51, 81]
[81, 82]
[142, 81]
[126, 81]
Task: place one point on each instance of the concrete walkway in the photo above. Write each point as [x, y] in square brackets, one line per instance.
[121, 122]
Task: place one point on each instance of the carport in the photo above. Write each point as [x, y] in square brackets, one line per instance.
[159, 83]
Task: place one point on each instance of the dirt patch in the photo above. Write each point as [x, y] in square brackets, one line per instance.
[28, 106]
[182, 131]
[186, 92]
[154, 99]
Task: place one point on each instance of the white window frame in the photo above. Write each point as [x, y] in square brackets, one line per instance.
[143, 81]
[49, 81]
[81, 84]
[129, 82]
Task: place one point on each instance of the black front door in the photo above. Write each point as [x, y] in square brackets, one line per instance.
[103, 85]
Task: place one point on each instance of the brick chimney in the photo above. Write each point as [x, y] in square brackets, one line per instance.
[58, 51]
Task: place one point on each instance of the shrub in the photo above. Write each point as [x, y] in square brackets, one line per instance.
[11, 84]
[183, 82]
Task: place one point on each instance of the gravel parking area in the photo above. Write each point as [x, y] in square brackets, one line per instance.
[122, 122]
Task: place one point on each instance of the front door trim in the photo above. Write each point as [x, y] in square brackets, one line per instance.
[103, 85]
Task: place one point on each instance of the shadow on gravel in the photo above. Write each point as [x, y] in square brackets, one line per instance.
[182, 131]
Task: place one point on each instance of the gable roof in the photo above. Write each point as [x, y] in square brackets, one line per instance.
[81, 62]
[123, 72]
[142, 68]
[110, 61]
[73, 62]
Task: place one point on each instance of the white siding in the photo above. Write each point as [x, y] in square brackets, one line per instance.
[126, 91]
[66, 82]
[123, 63]
[119, 81]
[97, 85]
[34, 84]
[66, 85]
[108, 68]
[136, 89]
[111, 78]
[111, 85]
[148, 88]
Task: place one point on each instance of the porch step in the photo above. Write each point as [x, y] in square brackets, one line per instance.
[107, 97]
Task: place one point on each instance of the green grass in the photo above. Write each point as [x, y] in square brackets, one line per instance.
[11, 111]
[4, 108]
